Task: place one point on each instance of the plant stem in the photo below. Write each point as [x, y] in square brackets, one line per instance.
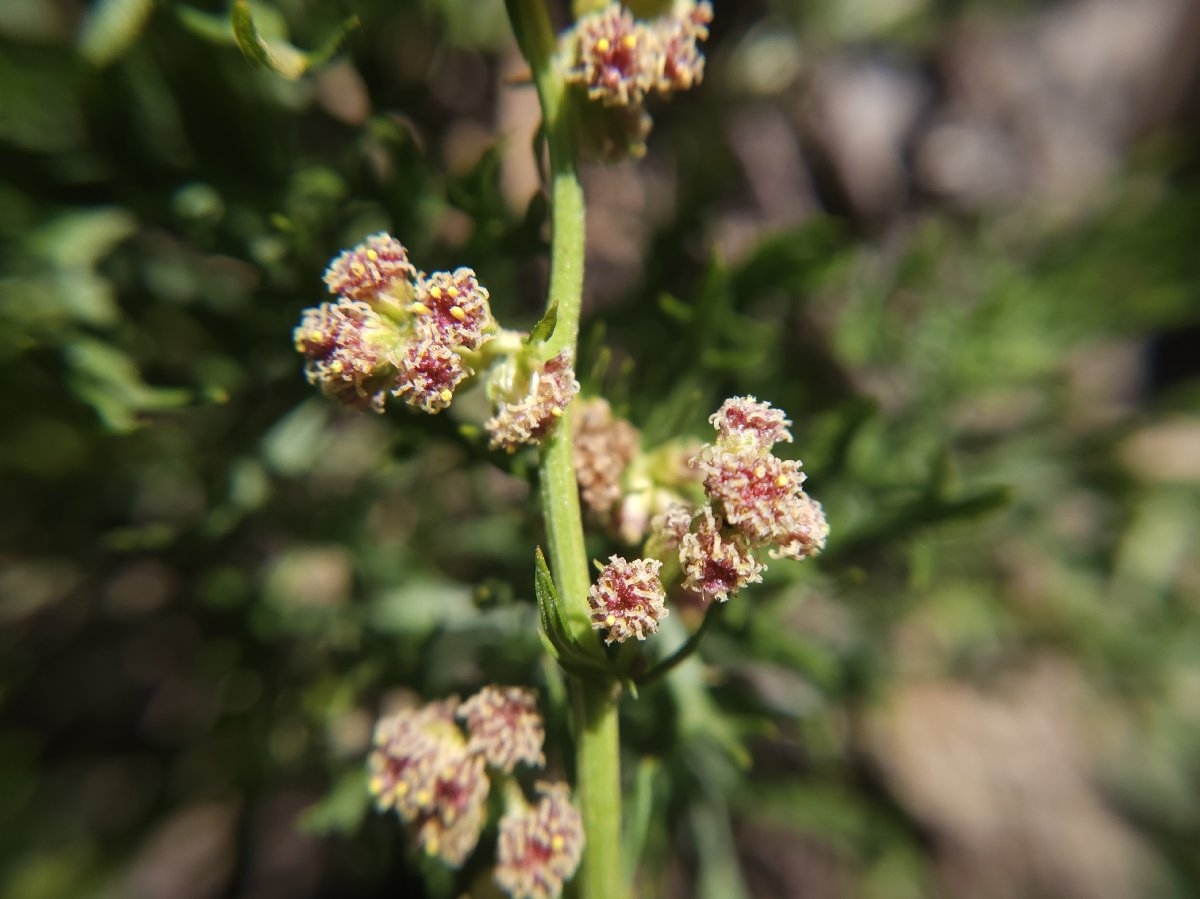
[594, 705]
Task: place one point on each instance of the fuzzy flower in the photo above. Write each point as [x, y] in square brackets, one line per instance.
[616, 57]
[539, 847]
[679, 36]
[452, 308]
[604, 446]
[672, 525]
[347, 345]
[421, 767]
[429, 374]
[745, 425]
[529, 419]
[802, 529]
[756, 493]
[377, 266]
[716, 565]
[505, 727]
[627, 599]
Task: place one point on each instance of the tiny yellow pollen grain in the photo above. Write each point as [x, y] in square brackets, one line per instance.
[420, 308]
[457, 312]
[556, 413]
[452, 290]
[760, 471]
[423, 797]
[435, 292]
[314, 334]
[446, 395]
[630, 41]
[610, 620]
[372, 255]
[557, 842]
[602, 45]
[781, 481]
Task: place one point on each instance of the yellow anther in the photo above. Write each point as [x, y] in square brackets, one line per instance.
[372, 255]
[315, 335]
[446, 395]
[557, 842]
[556, 413]
[602, 45]
[610, 620]
[760, 471]
[420, 308]
[458, 313]
[435, 292]
[630, 41]
[452, 290]
[423, 797]
[781, 481]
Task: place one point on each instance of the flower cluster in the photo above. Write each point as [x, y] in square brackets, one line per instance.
[539, 846]
[620, 61]
[435, 777]
[627, 599]
[756, 500]
[392, 329]
[528, 408]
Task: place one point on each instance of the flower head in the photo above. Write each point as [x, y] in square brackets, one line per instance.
[539, 847]
[347, 345]
[452, 308]
[615, 58]
[377, 266]
[604, 446]
[756, 492]
[530, 418]
[429, 373]
[745, 425]
[716, 565]
[679, 36]
[505, 727]
[802, 529]
[627, 599]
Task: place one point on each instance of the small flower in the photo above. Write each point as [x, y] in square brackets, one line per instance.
[604, 446]
[421, 767]
[453, 309]
[429, 374]
[715, 565]
[672, 525]
[505, 727]
[679, 36]
[529, 419]
[627, 599]
[379, 265]
[539, 848]
[615, 57]
[802, 530]
[756, 492]
[347, 345]
[745, 425]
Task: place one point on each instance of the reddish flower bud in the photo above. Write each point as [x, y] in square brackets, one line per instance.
[348, 346]
[745, 425]
[627, 599]
[529, 419]
[429, 374]
[505, 727]
[539, 848]
[452, 308]
[716, 565]
[379, 265]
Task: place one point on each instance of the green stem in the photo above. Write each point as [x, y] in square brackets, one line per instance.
[594, 705]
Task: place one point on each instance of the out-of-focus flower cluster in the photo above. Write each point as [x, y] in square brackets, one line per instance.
[392, 329]
[620, 61]
[755, 500]
[622, 486]
[528, 406]
[434, 774]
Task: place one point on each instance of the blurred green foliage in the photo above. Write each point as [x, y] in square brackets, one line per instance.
[210, 578]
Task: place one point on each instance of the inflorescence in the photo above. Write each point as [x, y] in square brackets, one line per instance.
[395, 331]
[620, 61]
[437, 778]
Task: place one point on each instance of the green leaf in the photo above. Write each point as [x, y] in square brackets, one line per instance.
[213, 27]
[253, 47]
[276, 53]
[544, 329]
[111, 27]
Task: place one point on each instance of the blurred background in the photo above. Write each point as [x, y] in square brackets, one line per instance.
[955, 240]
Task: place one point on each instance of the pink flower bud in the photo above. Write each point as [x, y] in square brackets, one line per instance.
[348, 345]
[429, 374]
[539, 848]
[745, 425]
[716, 565]
[505, 727]
[627, 599]
[377, 266]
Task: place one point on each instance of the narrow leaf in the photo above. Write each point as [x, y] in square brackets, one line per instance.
[544, 329]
